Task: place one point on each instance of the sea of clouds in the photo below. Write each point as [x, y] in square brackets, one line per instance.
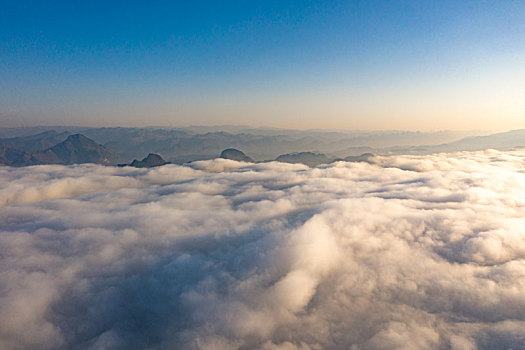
[406, 253]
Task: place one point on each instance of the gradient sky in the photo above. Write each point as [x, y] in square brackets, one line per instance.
[415, 65]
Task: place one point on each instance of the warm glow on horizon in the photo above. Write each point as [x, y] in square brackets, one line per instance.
[375, 65]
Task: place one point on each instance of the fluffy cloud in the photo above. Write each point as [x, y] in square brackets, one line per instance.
[406, 253]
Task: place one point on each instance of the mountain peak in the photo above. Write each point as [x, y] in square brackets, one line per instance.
[307, 158]
[76, 148]
[152, 160]
[365, 157]
[235, 154]
[78, 139]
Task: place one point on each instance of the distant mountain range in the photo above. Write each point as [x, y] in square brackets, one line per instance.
[74, 149]
[61, 145]
[179, 145]
[36, 142]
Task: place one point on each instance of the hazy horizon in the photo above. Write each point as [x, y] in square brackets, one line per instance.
[241, 126]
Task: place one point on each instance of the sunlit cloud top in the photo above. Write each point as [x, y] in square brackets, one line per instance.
[407, 252]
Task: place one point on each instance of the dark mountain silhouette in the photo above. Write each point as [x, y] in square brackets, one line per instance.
[365, 157]
[307, 158]
[235, 154]
[152, 160]
[75, 149]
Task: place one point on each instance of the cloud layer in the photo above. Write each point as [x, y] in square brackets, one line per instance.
[407, 253]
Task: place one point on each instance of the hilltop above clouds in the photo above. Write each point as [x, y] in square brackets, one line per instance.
[184, 145]
[411, 252]
[199, 143]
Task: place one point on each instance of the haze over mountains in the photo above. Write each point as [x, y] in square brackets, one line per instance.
[57, 145]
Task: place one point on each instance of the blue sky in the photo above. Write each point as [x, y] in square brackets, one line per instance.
[421, 65]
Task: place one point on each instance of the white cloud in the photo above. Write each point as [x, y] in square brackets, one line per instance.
[412, 252]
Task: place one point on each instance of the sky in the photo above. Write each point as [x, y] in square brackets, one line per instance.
[413, 65]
